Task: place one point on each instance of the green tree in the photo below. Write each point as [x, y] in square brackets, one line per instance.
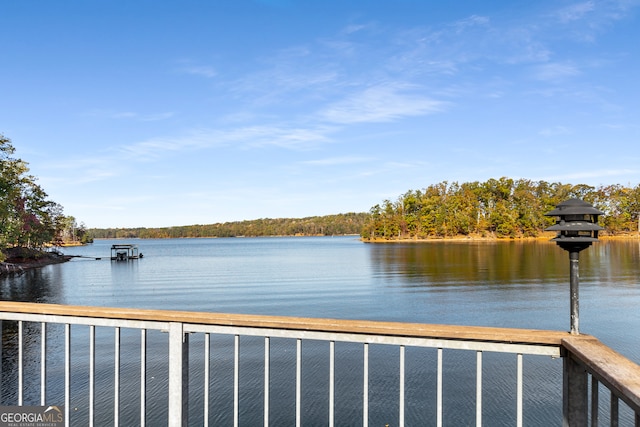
[27, 217]
[497, 207]
[70, 231]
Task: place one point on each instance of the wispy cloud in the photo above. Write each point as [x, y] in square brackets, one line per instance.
[382, 103]
[287, 137]
[585, 20]
[555, 130]
[395, 168]
[412, 63]
[131, 115]
[156, 147]
[470, 22]
[200, 70]
[298, 138]
[334, 161]
[144, 117]
[353, 28]
[575, 12]
[291, 75]
[80, 170]
[593, 175]
[555, 71]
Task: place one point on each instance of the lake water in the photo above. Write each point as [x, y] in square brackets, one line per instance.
[504, 284]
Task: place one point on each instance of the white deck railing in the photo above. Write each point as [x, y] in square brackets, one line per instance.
[584, 357]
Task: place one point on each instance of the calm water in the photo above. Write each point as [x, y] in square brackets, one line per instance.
[507, 284]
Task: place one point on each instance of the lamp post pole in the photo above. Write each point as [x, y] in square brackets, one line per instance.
[574, 282]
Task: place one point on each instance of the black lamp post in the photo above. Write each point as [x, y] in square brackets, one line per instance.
[577, 229]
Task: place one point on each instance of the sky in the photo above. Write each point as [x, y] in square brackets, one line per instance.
[158, 113]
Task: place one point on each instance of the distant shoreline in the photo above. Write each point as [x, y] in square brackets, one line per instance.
[470, 239]
[543, 237]
[230, 237]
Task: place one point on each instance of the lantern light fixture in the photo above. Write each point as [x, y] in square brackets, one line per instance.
[577, 227]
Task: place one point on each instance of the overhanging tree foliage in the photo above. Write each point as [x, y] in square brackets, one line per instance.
[496, 208]
[27, 217]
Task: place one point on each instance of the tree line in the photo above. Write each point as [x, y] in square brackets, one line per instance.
[501, 208]
[28, 218]
[329, 225]
[495, 208]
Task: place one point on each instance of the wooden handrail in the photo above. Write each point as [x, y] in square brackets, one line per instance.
[619, 374]
[414, 330]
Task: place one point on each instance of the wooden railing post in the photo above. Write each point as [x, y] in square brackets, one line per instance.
[1, 358]
[178, 375]
[575, 405]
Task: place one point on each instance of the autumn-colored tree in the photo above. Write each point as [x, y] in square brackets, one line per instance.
[497, 207]
[27, 217]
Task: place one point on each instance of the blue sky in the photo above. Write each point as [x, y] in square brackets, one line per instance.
[161, 113]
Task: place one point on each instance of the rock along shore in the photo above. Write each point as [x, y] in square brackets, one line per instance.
[17, 262]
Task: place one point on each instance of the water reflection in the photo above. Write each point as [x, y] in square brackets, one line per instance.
[124, 273]
[434, 264]
[612, 263]
[37, 285]
[468, 263]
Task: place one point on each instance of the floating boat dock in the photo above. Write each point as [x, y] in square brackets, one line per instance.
[124, 252]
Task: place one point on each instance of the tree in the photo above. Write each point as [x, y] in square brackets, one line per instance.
[70, 231]
[27, 217]
[498, 207]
